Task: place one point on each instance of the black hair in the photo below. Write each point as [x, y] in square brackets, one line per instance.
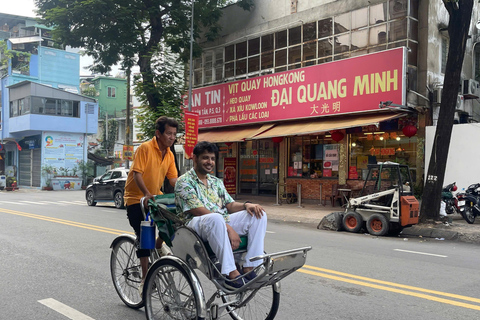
[205, 146]
[163, 121]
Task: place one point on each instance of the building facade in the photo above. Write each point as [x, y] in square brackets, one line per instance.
[44, 119]
[307, 93]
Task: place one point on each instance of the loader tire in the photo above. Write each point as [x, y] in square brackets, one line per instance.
[377, 225]
[352, 221]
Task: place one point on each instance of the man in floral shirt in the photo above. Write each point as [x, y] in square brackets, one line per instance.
[202, 199]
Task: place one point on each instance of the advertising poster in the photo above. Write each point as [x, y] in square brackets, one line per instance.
[127, 153]
[230, 175]
[346, 86]
[191, 133]
[330, 157]
[63, 151]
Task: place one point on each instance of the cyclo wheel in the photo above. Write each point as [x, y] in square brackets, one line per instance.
[169, 293]
[263, 305]
[126, 271]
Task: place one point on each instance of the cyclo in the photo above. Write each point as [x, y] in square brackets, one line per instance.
[172, 288]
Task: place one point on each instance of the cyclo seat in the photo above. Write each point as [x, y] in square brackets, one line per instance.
[170, 226]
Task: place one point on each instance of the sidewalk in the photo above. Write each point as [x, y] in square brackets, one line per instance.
[312, 212]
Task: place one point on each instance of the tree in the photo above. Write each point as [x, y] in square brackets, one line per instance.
[460, 12]
[133, 32]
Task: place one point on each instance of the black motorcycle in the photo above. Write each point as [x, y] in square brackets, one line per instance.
[472, 203]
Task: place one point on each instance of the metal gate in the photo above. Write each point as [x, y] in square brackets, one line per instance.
[29, 167]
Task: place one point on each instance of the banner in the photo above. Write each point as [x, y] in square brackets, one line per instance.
[127, 153]
[230, 175]
[191, 133]
[347, 86]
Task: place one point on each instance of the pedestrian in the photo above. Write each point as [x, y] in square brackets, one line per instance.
[153, 161]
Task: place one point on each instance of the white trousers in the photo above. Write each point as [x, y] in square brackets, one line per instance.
[212, 228]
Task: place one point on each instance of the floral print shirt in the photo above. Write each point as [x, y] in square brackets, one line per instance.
[191, 193]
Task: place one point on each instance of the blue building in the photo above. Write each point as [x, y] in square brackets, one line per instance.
[44, 119]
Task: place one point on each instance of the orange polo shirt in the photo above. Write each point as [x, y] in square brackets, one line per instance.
[147, 160]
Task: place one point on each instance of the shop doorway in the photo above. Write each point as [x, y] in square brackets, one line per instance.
[258, 167]
[29, 167]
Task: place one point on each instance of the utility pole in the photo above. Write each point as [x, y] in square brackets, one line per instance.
[191, 61]
[127, 121]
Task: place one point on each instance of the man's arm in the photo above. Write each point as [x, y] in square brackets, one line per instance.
[172, 181]
[138, 178]
[252, 208]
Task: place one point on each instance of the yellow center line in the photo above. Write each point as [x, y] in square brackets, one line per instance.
[450, 295]
[404, 292]
[66, 222]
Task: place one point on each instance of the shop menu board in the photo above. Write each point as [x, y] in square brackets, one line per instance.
[62, 150]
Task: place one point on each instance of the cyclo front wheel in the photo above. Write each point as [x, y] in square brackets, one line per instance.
[169, 292]
[126, 271]
[262, 306]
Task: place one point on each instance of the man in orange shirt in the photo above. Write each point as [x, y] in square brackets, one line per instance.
[153, 161]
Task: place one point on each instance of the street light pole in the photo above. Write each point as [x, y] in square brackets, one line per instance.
[127, 124]
[191, 61]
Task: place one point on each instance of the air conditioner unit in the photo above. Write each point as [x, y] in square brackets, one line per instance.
[460, 106]
[470, 89]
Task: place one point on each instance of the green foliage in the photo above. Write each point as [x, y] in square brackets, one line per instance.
[90, 91]
[108, 140]
[86, 169]
[48, 171]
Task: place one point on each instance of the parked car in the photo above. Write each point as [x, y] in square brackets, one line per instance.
[108, 187]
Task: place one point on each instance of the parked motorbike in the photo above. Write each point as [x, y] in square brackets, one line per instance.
[452, 203]
[471, 209]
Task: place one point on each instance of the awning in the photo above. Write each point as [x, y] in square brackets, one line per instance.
[323, 125]
[25, 40]
[232, 134]
[99, 160]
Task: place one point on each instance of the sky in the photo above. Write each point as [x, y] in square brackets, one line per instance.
[26, 8]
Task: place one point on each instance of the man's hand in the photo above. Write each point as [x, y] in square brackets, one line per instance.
[254, 209]
[234, 237]
[145, 201]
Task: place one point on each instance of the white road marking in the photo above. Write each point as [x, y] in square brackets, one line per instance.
[11, 202]
[54, 202]
[424, 253]
[270, 231]
[70, 202]
[38, 202]
[64, 309]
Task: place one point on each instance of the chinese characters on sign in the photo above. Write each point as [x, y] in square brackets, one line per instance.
[345, 86]
[191, 133]
[230, 175]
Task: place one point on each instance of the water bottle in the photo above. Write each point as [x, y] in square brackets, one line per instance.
[147, 234]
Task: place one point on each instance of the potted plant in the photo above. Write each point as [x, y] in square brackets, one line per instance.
[47, 172]
[11, 183]
[66, 179]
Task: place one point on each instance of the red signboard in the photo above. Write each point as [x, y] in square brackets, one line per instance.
[191, 133]
[230, 175]
[346, 86]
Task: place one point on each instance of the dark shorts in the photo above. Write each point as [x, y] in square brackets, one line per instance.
[135, 217]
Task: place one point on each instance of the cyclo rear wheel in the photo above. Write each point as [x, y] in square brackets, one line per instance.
[262, 306]
[169, 293]
[126, 271]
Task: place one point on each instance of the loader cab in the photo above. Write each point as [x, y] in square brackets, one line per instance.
[385, 176]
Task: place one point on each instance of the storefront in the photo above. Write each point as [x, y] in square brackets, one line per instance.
[314, 126]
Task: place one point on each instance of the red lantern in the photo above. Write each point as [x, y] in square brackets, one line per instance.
[337, 135]
[409, 130]
[228, 144]
[277, 139]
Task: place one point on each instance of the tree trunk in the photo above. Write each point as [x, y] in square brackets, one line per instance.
[458, 27]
